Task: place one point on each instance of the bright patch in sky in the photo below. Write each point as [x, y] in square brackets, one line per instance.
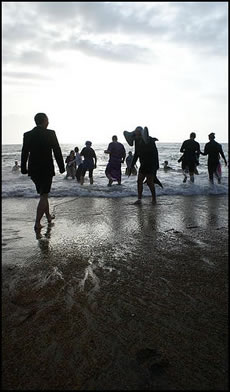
[99, 68]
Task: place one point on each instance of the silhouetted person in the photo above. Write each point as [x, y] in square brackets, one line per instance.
[117, 154]
[38, 145]
[190, 157]
[78, 160]
[166, 166]
[129, 163]
[70, 165]
[146, 151]
[214, 151]
[89, 162]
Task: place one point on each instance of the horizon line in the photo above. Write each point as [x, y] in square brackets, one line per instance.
[159, 142]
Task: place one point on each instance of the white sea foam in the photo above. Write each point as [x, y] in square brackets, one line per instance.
[18, 185]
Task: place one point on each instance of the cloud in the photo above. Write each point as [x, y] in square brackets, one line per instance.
[184, 45]
[33, 31]
[201, 25]
[25, 75]
[89, 16]
[107, 50]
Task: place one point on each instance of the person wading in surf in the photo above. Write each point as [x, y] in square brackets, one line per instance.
[214, 151]
[146, 151]
[38, 145]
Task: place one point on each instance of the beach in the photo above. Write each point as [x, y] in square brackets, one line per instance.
[115, 296]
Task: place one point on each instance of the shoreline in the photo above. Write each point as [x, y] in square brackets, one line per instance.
[116, 296]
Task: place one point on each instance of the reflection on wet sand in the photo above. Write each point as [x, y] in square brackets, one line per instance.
[214, 213]
[148, 219]
[119, 297]
[43, 238]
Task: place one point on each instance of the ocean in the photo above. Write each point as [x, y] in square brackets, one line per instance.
[18, 185]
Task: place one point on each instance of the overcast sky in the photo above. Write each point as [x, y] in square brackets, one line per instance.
[99, 68]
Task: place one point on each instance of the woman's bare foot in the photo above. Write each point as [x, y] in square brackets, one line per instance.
[137, 202]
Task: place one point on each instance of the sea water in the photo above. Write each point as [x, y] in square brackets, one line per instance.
[19, 185]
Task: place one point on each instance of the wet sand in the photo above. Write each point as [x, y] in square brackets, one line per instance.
[116, 296]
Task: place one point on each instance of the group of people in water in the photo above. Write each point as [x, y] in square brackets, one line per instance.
[78, 163]
[43, 142]
[76, 167]
[190, 158]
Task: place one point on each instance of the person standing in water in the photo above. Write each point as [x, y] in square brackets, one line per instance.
[166, 166]
[89, 162]
[16, 167]
[117, 156]
[70, 165]
[129, 163]
[37, 149]
[190, 158]
[78, 160]
[146, 151]
[214, 151]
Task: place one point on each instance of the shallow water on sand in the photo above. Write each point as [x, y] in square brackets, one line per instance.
[116, 296]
